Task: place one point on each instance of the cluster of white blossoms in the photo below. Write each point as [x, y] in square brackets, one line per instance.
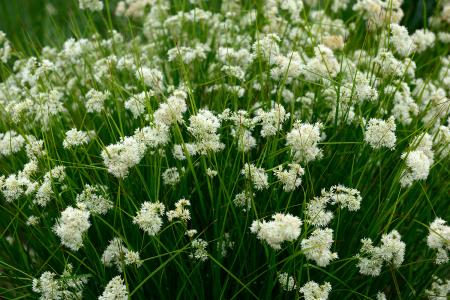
[76, 137]
[371, 258]
[180, 212]
[203, 126]
[313, 291]
[303, 141]
[439, 239]
[10, 143]
[120, 157]
[5, 48]
[116, 253]
[54, 287]
[95, 100]
[287, 282]
[199, 251]
[381, 133]
[149, 218]
[290, 178]
[95, 199]
[244, 200]
[171, 176]
[316, 212]
[418, 161]
[272, 120]
[317, 247]
[439, 290]
[72, 226]
[257, 176]
[92, 5]
[115, 290]
[284, 227]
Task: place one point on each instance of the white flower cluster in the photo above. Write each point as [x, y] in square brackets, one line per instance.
[256, 175]
[95, 100]
[71, 227]
[5, 48]
[418, 161]
[203, 126]
[287, 282]
[272, 120]
[380, 12]
[95, 199]
[313, 291]
[371, 258]
[381, 133]
[16, 185]
[45, 192]
[303, 141]
[76, 137]
[439, 290]
[149, 217]
[92, 5]
[244, 200]
[136, 104]
[120, 157]
[10, 143]
[439, 239]
[188, 54]
[181, 211]
[317, 247]
[115, 290]
[171, 176]
[54, 287]
[198, 247]
[284, 227]
[116, 253]
[290, 178]
[316, 213]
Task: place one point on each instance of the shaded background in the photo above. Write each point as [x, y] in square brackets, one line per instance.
[50, 22]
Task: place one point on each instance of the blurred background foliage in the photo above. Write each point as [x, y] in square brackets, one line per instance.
[31, 24]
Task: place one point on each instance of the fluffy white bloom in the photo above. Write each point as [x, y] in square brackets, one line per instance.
[287, 282]
[400, 39]
[380, 133]
[149, 217]
[76, 137]
[181, 211]
[418, 162]
[316, 213]
[203, 126]
[115, 290]
[439, 290]
[120, 157]
[32, 221]
[290, 178]
[211, 173]
[179, 150]
[303, 141]
[136, 104]
[10, 143]
[439, 239]
[199, 250]
[317, 247]
[423, 39]
[171, 176]
[267, 46]
[153, 136]
[71, 227]
[284, 227]
[256, 175]
[187, 54]
[15, 186]
[172, 110]
[153, 78]
[381, 296]
[272, 120]
[92, 5]
[54, 287]
[344, 197]
[313, 291]
[244, 200]
[116, 253]
[323, 65]
[95, 199]
[95, 100]
[371, 258]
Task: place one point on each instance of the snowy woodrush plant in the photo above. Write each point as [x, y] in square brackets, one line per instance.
[224, 149]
